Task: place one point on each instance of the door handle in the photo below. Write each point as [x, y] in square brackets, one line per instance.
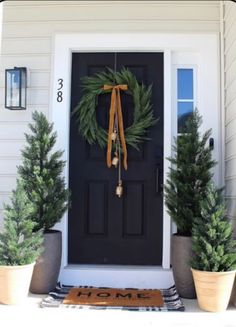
[157, 180]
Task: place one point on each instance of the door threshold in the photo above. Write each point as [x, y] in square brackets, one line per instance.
[112, 267]
[116, 276]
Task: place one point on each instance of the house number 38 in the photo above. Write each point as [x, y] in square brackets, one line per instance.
[59, 90]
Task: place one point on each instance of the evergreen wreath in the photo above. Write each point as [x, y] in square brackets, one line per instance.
[85, 111]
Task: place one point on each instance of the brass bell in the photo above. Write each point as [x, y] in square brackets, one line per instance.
[119, 190]
[113, 136]
[115, 161]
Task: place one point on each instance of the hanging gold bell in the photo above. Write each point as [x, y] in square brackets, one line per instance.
[119, 190]
[113, 136]
[115, 161]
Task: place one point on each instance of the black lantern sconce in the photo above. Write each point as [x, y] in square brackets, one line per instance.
[15, 88]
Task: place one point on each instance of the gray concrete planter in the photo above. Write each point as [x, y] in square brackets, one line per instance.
[47, 268]
[181, 250]
[233, 294]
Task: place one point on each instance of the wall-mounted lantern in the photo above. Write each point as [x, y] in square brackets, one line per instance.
[15, 88]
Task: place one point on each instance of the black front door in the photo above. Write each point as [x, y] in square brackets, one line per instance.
[105, 229]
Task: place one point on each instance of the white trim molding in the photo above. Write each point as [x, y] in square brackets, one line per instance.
[201, 50]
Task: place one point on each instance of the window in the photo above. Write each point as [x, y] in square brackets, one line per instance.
[185, 95]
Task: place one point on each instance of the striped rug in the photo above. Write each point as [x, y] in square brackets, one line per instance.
[172, 301]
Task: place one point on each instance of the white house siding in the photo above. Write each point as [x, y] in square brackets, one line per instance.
[229, 25]
[28, 35]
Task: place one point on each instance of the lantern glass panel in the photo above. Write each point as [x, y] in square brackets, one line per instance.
[23, 89]
[13, 83]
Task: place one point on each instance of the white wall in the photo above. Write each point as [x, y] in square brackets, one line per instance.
[229, 27]
[28, 35]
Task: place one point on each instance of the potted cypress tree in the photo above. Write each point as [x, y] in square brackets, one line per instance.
[214, 253]
[20, 246]
[41, 172]
[186, 185]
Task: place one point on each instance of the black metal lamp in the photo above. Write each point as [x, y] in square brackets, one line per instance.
[15, 88]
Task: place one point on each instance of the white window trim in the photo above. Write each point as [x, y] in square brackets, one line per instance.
[178, 49]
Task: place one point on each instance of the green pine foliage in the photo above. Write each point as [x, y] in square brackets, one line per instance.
[19, 245]
[213, 247]
[85, 111]
[189, 174]
[41, 173]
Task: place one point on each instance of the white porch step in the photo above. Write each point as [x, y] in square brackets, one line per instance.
[116, 276]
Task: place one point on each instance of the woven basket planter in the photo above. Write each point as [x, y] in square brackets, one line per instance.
[213, 289]
[14, 283]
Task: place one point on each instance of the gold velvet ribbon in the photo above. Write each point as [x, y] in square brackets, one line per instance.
[115, 109]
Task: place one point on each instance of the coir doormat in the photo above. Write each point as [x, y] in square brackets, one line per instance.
[110, 298]
[114, 297]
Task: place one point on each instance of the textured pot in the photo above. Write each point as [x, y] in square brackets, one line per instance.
[233, 294]
[47, 268]
[14, 283]
[213, 289]
[181, 252]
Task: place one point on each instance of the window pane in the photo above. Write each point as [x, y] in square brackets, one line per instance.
[185, 109]
[185, 83]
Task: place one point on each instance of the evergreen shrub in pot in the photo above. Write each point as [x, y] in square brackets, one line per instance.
[20, 246]
[186, 185]
[41, 172]
[214, 253]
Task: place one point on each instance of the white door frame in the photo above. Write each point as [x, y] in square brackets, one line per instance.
[178, 49]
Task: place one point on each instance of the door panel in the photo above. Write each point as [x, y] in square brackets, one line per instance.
[105, 229]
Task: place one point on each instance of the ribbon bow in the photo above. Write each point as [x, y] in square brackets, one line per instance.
[116, 111]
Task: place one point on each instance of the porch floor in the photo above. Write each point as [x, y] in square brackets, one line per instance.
[30, 314]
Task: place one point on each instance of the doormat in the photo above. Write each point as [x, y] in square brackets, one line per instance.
[109, 298]
[114, 297]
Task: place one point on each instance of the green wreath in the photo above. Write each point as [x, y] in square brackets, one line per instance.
[85, 111]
